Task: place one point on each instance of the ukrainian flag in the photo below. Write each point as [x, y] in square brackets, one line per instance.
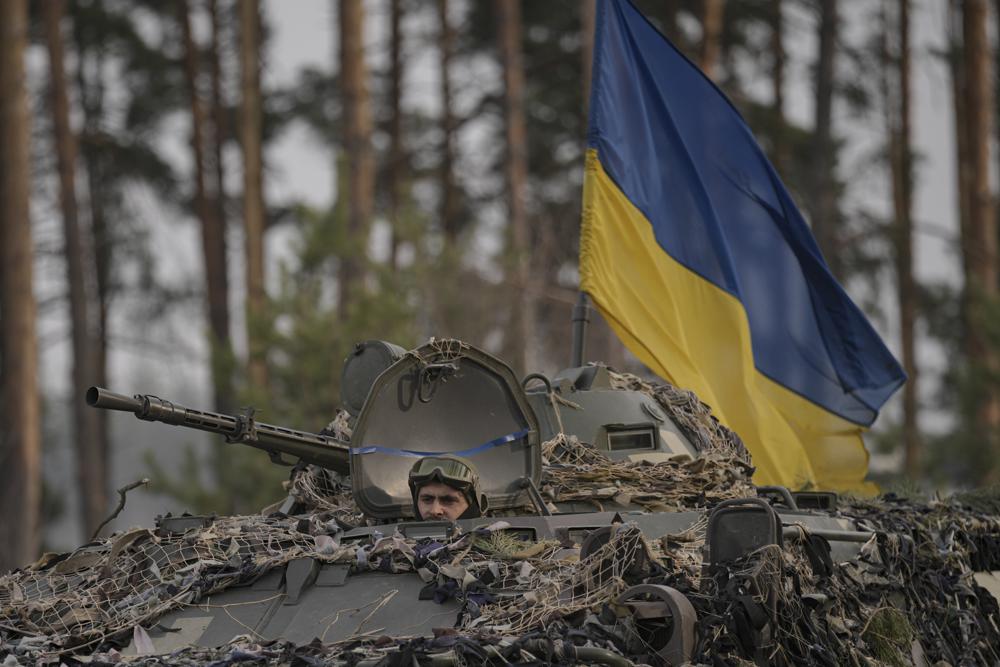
[692, 249]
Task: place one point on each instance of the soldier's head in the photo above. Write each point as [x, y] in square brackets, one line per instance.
[445, 488]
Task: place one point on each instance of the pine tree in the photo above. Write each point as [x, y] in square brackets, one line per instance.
[979, 237]
[357, 128]
[522, 331]
[253, 190]
[213, 233]
[901, 168]
[823, 192]
[396, 158]
[711, 24]
[20, 426]
[449, 213]
[118, 155]
[778, 57]
[91, 467]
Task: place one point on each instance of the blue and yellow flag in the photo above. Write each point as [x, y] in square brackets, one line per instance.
[694, 252]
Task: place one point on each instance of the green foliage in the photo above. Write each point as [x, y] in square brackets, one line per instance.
[312, 101]
[904, 487]
[128, 82]
[889, 634]
[985, 499]
[244, 482]
[940, 306]
[886, 438]
[307, 337]
[311, 342]
[965, 454]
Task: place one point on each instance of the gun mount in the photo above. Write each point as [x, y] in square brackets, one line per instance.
[321, 450]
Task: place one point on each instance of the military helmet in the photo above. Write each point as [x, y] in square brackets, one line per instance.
[453, 471]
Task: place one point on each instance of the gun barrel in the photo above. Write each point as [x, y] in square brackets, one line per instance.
[98, 397]
[275, 440]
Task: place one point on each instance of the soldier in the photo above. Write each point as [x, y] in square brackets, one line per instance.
[445, 488]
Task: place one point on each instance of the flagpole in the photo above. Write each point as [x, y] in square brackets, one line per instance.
[581, 317]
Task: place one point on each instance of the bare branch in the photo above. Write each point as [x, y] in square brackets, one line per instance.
[122, 493]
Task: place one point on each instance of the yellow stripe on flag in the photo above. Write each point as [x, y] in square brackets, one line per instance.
[696, 335]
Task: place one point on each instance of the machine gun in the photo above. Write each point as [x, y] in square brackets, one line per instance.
[321, 450]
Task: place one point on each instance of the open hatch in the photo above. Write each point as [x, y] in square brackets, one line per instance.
[445, 397]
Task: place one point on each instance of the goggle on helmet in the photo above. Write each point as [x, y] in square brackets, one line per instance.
[454, 472]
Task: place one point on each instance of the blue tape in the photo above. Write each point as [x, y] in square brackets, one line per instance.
[496, 442]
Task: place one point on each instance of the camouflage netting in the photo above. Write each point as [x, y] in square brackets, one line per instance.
[689, 413]
[576, 472]
[573, 472]
[525, 602]
[99, 594]
[77, 600]
[912, 582]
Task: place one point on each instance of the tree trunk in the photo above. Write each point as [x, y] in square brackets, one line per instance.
[20, 420]
[956, 60]
[588, 20]
[907, 282]
[220, 129]
[253, 191]
[101, 240]
[711, 24]
[778, 85]
[898, 114]
[216, 254]
[213, 243]
[824, 195]
[91, 469]
[396, 154]
[357, 122]
[522, 330]
[980, 244]
[449, 190]
[670, 9]
[996, 73]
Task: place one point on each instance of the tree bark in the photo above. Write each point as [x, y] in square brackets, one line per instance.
[253, 190]
[91, 92]
[711, 24]
[358, 147]
[907, 282]
[670, 9]
[996, 73]
[522, 330]
[898, 126]
[449, 191]
[396, 153]
[956, 59]
[20, 421]
[823, 195]
[979, 245]
[588, 21]
[216, 254]
[91, 467]
[213, 243]
[778, 58]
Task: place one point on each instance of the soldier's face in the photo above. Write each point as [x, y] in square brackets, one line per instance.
[440, 502]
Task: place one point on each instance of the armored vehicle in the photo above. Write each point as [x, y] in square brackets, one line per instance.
[623, 528]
